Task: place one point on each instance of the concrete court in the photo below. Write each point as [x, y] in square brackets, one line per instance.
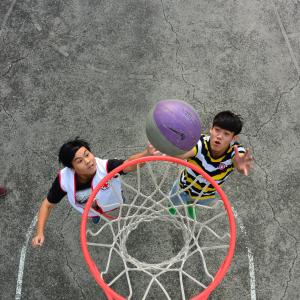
[94, 69]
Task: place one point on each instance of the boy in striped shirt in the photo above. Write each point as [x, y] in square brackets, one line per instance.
[218, 154]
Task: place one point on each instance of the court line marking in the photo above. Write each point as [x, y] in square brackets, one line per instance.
[22, 259]
[7, 15]
[250, 256]
[252, 274]
[33, 223]
[286, 38]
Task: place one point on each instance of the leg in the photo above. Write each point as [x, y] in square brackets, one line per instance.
[179, 199]
[191, 210]
[208, 202]
[96, 219]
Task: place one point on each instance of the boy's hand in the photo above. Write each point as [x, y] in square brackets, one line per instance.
[151, 151]
[38, 240]
[242, 161]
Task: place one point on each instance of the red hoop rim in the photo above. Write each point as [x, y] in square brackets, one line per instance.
[109, 292]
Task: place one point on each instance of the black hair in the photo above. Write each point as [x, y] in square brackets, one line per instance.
[67, 151]
[229, 121]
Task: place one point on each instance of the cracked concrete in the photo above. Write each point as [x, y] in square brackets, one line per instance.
[72, 273]
[276, 107]
[94, 70]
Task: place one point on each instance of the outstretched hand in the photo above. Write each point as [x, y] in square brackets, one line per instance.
[243, 161]
[38, 240]
[151, 151]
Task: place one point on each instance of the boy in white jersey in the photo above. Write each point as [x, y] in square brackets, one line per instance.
[218, 154]
[82, 172]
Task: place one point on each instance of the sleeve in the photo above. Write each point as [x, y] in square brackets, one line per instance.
[55, 193]
[114, 163]
[195, 150]
[240, 148]
[199, 145]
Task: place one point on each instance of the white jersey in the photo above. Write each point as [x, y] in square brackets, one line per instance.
[108, 198]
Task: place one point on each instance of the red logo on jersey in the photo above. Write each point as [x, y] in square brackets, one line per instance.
[105, 186]
[221, 166]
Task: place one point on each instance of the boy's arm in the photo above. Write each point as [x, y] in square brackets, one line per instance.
[149, 151]
[188, 154]
[43, 215]
[242, 161]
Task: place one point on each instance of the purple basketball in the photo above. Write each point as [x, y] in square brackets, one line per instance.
[173, 127]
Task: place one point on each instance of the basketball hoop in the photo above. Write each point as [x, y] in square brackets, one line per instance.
[148, 202]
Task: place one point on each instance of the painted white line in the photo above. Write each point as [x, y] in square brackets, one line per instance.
[285, 36]
[252, 274]
[250, 256]
[22, 259]
[7, 16]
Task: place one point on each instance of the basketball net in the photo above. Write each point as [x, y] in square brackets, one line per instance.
[207, 241]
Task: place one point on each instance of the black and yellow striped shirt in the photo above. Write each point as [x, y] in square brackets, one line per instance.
[219, 169]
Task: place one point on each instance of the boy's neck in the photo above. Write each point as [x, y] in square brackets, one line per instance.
[85, 178]
[216, 154]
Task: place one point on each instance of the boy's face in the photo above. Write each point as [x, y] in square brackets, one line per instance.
[220, 139]
[84, 162]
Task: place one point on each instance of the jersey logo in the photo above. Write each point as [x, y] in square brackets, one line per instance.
[82, 196]
[106, 186]
[221, 166]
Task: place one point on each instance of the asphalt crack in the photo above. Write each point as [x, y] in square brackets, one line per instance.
[66, 257]
[276, 107]
[267, 179]
[180, 64]
[7, 113]
[12, 63]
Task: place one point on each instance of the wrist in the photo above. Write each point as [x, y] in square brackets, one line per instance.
[145, 153]
[40, 232]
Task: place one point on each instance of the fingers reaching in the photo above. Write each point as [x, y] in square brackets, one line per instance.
[152, 151]
[243, 161]
[38, 241]
[236, 150]
[248, 158]
[245, 171]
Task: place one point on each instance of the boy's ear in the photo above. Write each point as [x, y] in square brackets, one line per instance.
[235, 138]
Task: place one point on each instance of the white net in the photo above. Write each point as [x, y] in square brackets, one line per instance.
[147, 252]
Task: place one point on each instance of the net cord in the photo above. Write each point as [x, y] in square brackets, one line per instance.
[129, 220]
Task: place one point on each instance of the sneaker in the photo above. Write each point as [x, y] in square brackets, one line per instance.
[192, 212]
[96, 220]
[172, 211]
[3, 191]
